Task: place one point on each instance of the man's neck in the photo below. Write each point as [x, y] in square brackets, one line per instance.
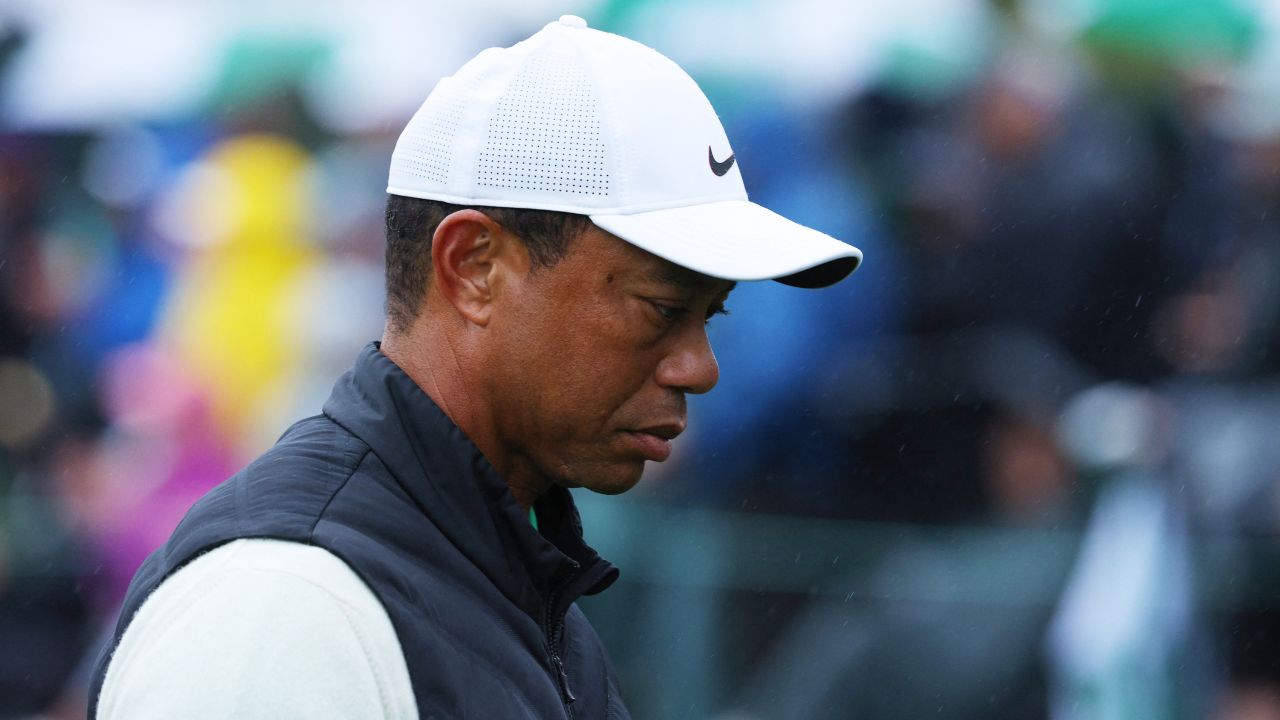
[434, 367]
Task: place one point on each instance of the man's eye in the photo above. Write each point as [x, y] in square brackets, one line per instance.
[670, 313]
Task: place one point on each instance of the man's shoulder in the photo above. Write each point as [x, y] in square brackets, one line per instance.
[310, 462]
[282, 494]
[316, 444]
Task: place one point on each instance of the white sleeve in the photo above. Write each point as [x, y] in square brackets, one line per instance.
[259, 629]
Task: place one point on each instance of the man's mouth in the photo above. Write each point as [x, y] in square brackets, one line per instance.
[654, 441]
[666, 431]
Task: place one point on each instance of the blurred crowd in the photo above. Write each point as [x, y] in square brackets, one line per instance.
[1067, 326]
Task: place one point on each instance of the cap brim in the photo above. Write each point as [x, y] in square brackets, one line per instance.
[737, 240]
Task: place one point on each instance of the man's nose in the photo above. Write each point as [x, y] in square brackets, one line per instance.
[691, 365]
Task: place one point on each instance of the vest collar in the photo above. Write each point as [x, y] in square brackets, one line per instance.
[457, 489]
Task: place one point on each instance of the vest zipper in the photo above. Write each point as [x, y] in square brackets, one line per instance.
[555, 636]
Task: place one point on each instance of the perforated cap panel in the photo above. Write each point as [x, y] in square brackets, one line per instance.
[426, 146]
[544, 134]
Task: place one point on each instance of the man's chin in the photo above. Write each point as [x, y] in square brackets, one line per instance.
[612, 480]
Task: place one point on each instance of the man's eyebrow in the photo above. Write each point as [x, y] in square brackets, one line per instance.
[683, 278]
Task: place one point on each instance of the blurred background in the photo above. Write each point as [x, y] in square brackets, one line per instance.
[1025, 464]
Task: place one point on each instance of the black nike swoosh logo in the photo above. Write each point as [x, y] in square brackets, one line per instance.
[718, 167]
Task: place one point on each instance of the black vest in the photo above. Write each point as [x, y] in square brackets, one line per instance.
[482, 603]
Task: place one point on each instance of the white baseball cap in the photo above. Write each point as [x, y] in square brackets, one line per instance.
[583, 121]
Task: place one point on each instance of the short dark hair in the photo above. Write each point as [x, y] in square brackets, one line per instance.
[412, 222]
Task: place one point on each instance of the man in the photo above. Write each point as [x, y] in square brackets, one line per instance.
[565, 216]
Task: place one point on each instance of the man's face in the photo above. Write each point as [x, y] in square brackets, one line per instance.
[593, 357]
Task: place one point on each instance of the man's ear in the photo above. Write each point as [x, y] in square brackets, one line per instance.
[470, 255]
